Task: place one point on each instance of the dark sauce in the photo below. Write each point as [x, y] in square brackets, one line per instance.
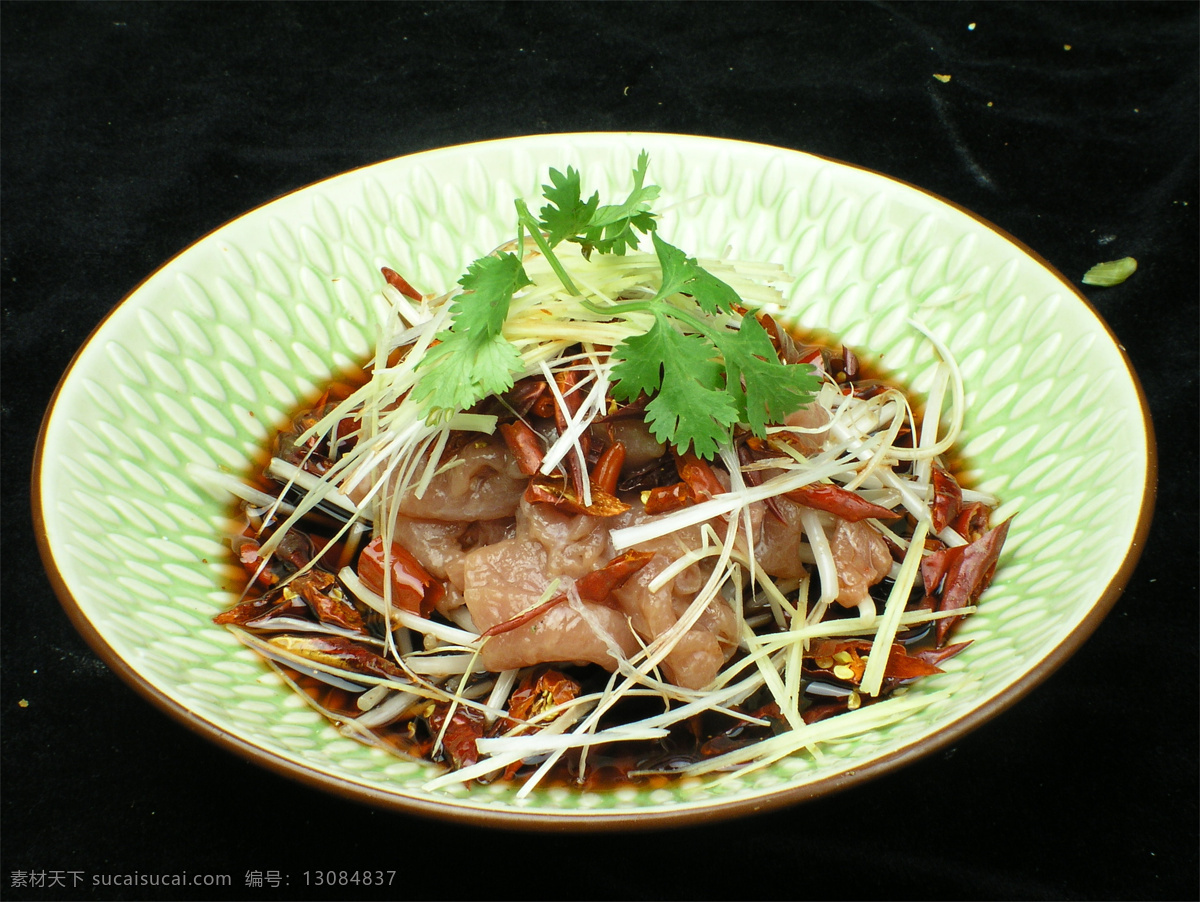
[646, 764]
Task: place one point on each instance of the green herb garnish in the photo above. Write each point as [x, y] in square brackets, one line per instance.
[704, 377]
[473, 359]
[609, 229]
[705, 365]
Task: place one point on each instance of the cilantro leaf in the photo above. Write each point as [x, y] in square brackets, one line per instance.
[683, 372]
[707, 377]
[619, 237]
[567, 215]
[610, 229]
[473, 359]
[638, 201]
[489, 285]
[764, 389]
[682, 274]
[468, 368]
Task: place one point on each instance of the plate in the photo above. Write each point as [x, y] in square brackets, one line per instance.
[176, 392]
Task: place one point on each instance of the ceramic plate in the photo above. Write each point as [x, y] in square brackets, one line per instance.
[178, 389]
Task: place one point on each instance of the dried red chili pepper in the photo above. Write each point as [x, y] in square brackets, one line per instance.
[607, 471]
[598, 585]
[934, 566]
[545, 405]
[413, 588]
[833, 499]
[250, 557]
[339, 652]
[968, 573]
[260, 610]
[539, 693]
[814, 713]
[525, 396]
[458, 739]
[398, 282]
[900, 664]
[525, 445]
[843, 367]
[947, 499]
[295, 548]
[938, 656]
[700, 477]
[903, 666]
[973, 520]
[512, 623]
[566, 380]
[326, 599]
[837, 659]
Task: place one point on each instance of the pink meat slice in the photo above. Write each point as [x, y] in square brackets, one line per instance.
[441, 548]
[503, 580]
[480, 481]
[862, 560]
[813, 417]
[699, 654]
[777, 541]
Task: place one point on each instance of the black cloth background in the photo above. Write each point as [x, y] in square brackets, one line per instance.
[130, 130]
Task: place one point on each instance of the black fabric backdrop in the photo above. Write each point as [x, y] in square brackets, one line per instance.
[130, 130]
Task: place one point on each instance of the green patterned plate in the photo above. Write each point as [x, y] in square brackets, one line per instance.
[176, 391]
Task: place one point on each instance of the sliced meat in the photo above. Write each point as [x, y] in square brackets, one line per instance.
[440, 546]
[701, 652]
[435, 543]
[509, 577]
[575, 544]
[481, 481]
[503, 580]
[672, 545]
[814, 417]
[777, 541]
[641, 447]
[862, 560]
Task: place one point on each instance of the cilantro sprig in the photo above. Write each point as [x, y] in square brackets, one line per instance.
[703, 375]
[703, 378]
[473, 359]
[610, 229]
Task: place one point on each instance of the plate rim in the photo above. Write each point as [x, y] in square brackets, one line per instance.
[462, 810]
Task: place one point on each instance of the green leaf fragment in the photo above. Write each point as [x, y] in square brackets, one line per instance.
[470, 367]
[684, 374]
[682, 274]
[609, 229]
[764, 390]
[473, 359]
[1114, 272]
[567, 214]
[489, 283]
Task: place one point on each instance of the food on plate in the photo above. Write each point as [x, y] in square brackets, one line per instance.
[600, 515]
